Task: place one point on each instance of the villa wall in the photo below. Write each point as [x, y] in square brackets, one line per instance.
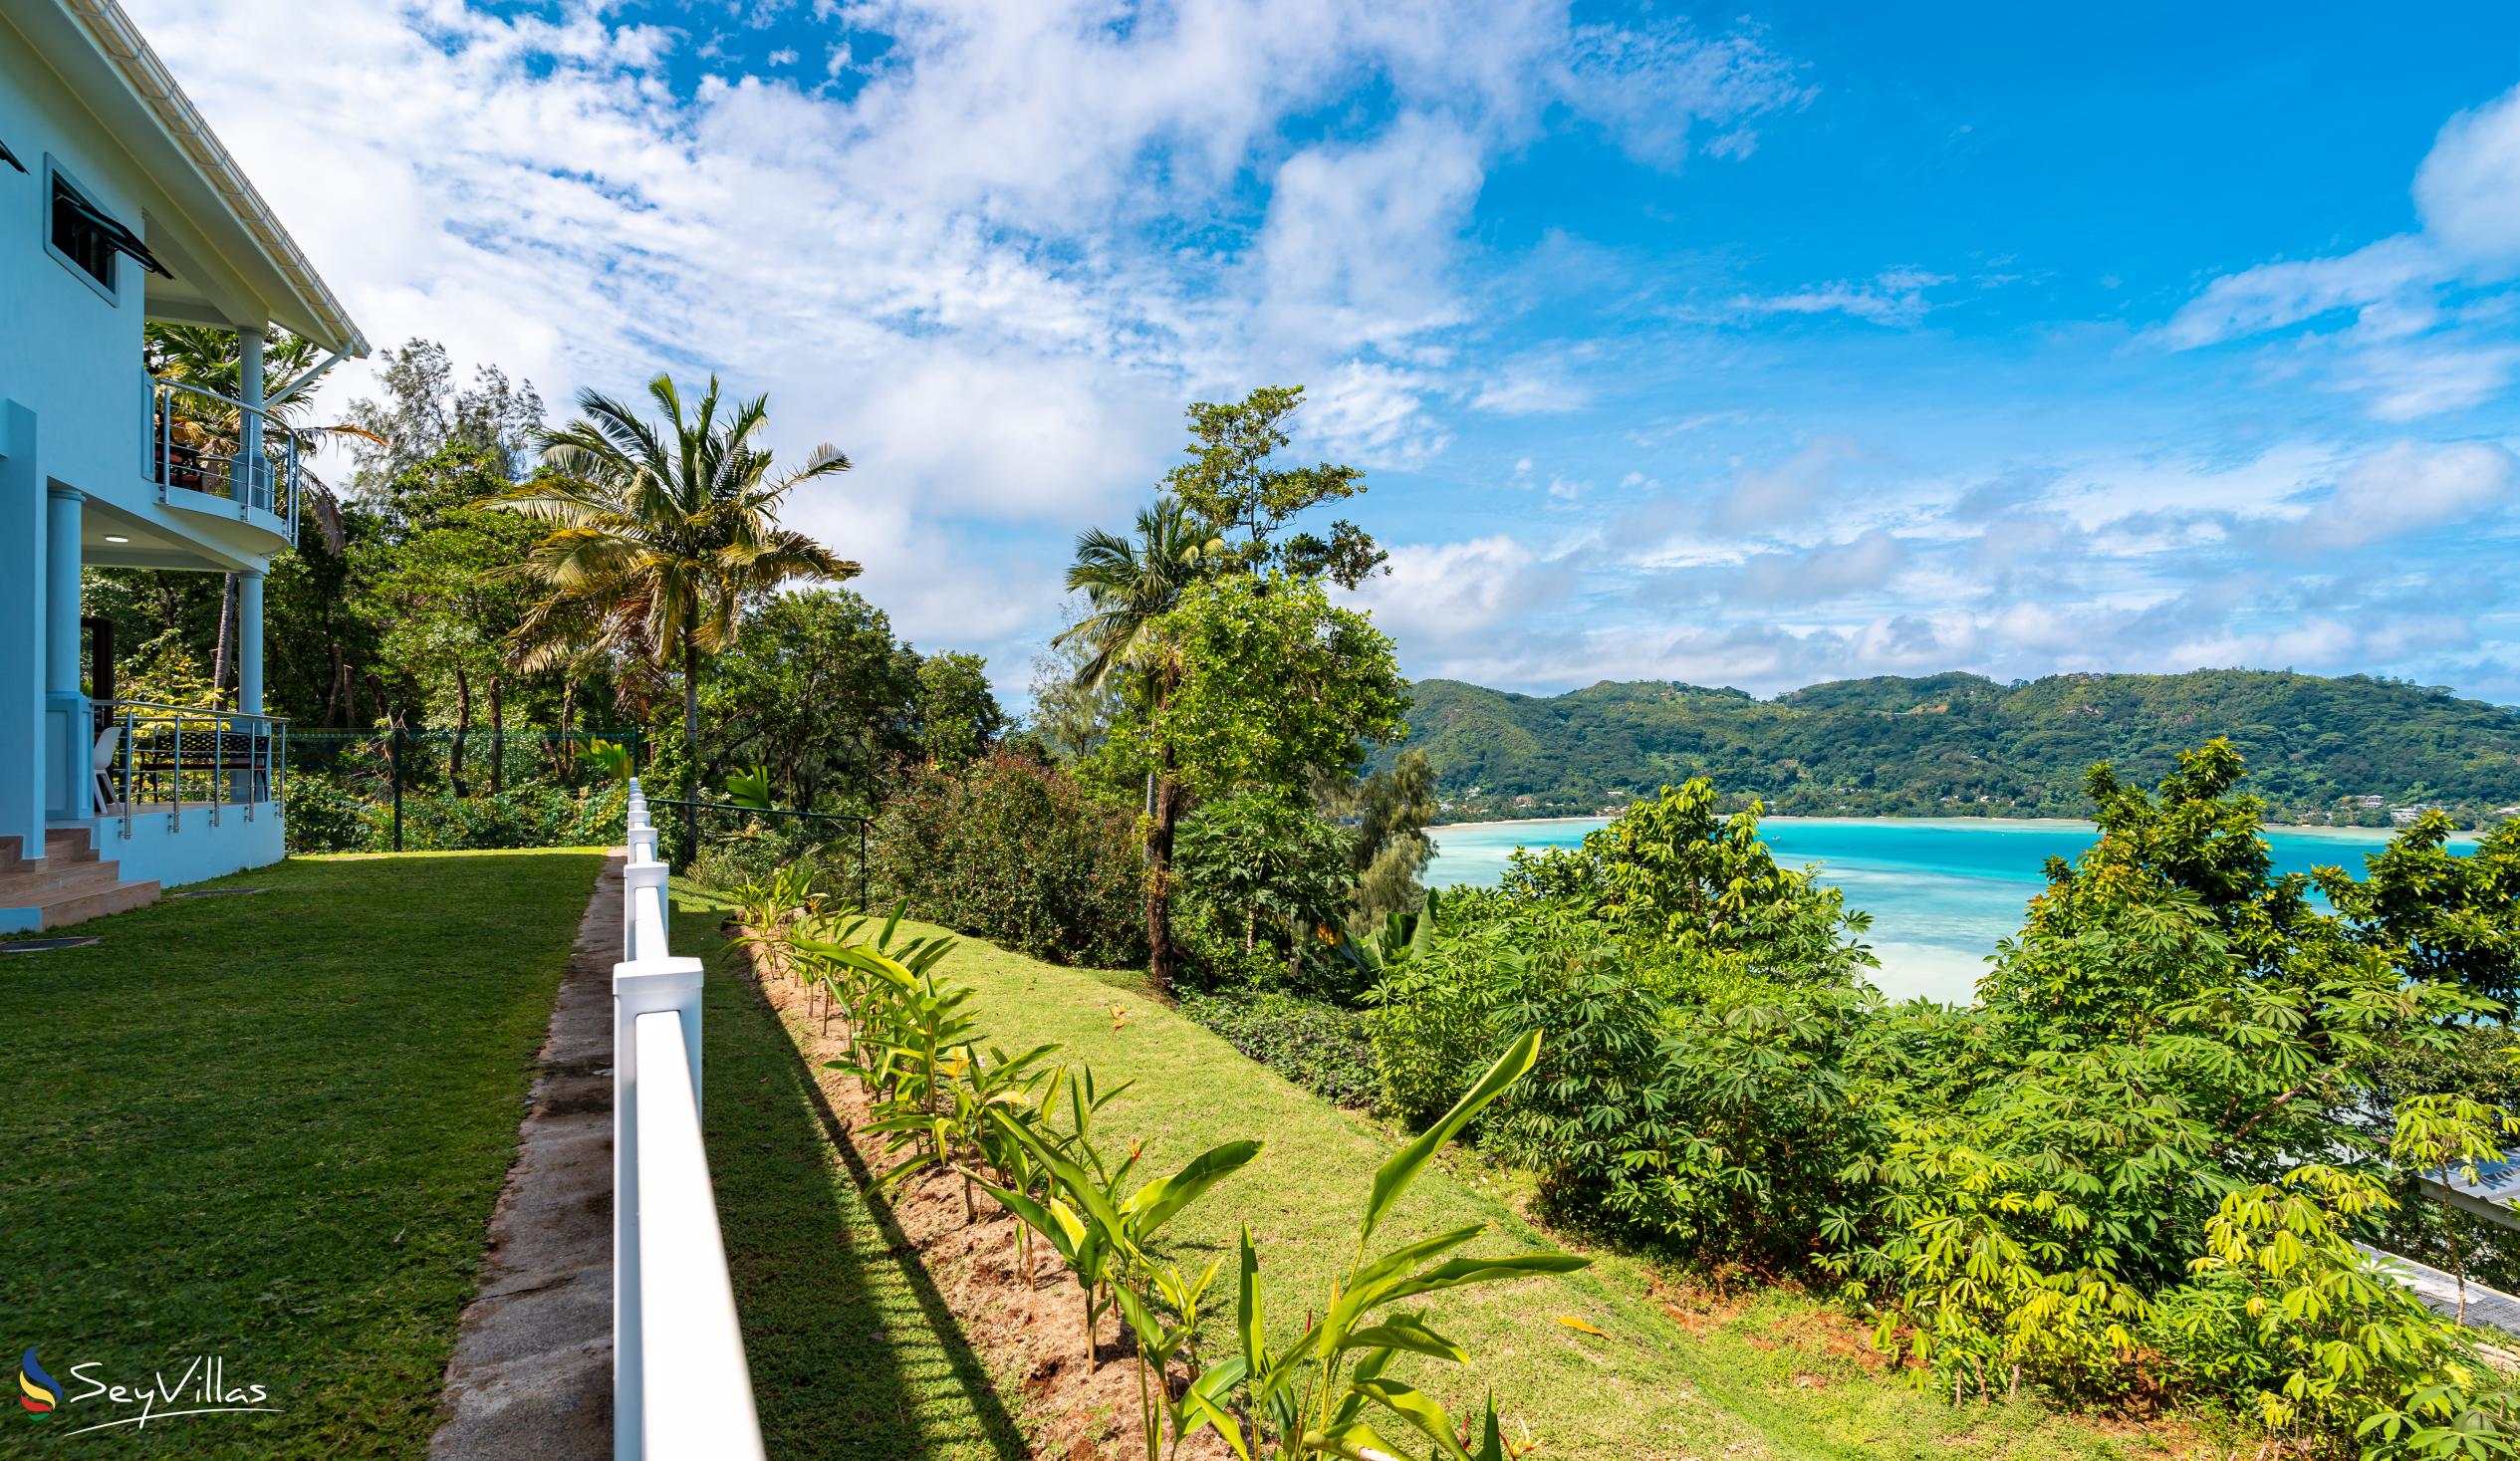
[74, 356]
[198, 851]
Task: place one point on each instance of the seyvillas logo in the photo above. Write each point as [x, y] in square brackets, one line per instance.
[37, 1391]
[201, 1388]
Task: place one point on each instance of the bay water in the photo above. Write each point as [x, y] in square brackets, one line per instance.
[1941, 892]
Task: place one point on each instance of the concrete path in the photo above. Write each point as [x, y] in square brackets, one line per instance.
[2487, 1309]
[532, 1373]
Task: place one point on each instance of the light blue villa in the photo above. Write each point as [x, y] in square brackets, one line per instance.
[117, 205]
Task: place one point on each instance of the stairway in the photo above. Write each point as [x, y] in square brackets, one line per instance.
[68, 885]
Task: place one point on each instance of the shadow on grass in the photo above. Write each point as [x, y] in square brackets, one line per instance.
[853, 1352]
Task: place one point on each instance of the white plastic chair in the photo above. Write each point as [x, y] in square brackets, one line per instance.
[109, 741]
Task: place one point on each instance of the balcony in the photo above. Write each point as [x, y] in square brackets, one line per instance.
[212, 454]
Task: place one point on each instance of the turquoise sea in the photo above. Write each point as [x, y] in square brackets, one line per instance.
[1941, 893]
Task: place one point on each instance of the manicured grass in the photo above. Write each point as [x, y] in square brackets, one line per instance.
[853, 1351]
[270, 1128]
[1776, 1378]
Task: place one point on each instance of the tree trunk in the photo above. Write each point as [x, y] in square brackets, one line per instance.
[498, 738]
[334, 697]
[1163, 960]
[463, 727]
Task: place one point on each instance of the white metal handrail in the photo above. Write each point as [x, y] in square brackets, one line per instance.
[680, 1387]
[234, 758]
[243, 453]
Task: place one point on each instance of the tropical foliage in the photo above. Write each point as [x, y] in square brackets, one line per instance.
[2138, 1166]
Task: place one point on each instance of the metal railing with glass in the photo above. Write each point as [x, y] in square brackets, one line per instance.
[179, 755]
[221, 447]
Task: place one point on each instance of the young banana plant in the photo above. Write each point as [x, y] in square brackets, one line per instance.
[1319, 1392]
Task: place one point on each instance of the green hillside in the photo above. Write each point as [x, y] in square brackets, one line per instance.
[1961, 744]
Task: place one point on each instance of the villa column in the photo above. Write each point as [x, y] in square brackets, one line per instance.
[249, 389]
[249, 669]
[25, 773]
[249, 641]
[66, 732]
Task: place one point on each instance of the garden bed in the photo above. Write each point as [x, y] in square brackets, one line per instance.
[1777, 1376]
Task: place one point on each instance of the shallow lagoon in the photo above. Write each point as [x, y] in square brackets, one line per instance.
[1941, 893]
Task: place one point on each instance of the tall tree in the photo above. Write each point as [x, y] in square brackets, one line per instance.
[1235, 481]
[1264, 687]
[662, 530]
[1129, 584]
[423, 411]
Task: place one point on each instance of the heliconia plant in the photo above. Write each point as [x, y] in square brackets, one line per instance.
[1023, 1133]
[1321, 1393]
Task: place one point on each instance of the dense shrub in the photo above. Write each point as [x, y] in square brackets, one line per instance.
[325, 814]
[1315, 1044]
[1018, 854]
[2089, 1182]
[525, 816]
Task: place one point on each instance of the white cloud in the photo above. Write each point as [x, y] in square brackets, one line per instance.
[2406, 487]
[1895, 296]
[2408, 357]
[2469, 185]
[969, 271]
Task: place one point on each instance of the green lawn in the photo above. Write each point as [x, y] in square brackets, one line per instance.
[1774, 1379]
[270, 1128]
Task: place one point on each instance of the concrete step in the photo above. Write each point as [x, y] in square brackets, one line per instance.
[36, 884]
[62, 846]
[121, 897]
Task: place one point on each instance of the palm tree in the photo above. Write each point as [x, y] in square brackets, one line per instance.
[1128, 585]
[659, 532]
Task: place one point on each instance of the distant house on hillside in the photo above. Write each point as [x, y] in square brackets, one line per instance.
[118, 206]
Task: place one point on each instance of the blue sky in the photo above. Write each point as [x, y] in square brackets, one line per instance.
[1749, 346]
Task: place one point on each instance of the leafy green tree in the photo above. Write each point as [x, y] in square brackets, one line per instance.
[1262, 685]
[1675, 875]
[1235, 482]
[958, 715]
[661, 532]
[2439, 914]
[817, 688]
[445, 592]
[1392, 808]
[1265, 873]
[422, 411]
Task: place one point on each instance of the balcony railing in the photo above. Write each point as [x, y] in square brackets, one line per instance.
[221, 447]
[206, 761]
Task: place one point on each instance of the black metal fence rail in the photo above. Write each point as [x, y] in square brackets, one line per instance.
[379, 768]
[862, 824]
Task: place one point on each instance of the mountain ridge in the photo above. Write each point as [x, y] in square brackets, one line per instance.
[2356, 750]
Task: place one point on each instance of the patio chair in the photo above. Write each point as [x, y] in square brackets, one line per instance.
[109, 741]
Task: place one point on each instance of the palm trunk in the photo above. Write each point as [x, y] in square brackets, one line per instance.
[1163, 959]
